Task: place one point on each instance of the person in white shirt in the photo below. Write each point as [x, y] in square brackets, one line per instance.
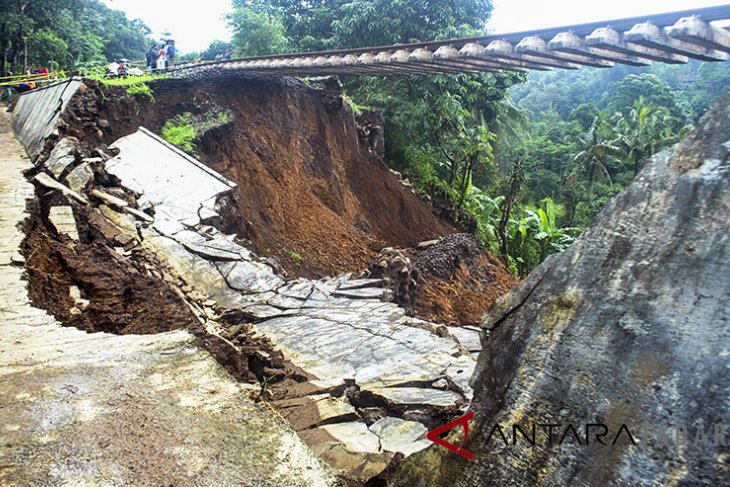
[162, 60]
[113, 69]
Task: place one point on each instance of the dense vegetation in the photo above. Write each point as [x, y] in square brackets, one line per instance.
[526, 166]
[591, 131]
[66, 34]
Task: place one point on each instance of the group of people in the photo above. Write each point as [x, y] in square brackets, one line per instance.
[224, 56]
[160, 59]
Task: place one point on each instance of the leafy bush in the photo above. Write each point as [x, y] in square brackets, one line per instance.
[142, 90]
[356, 109]
[185, 130]
[180, 131]
[136, 86]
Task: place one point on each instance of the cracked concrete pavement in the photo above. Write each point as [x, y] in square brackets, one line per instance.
[338, 330]
[100, 409]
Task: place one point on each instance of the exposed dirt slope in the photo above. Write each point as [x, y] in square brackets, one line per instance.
[124, 292]
[453, 281]
[119, 294]
[313, 190]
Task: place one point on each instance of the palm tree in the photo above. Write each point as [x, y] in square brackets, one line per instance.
[644, 132]
[599, 147]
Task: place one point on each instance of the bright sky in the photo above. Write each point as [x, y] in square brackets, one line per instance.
[195, 25]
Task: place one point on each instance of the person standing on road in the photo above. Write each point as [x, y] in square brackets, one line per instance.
[161, 60]
[170, 53]
[152, 56]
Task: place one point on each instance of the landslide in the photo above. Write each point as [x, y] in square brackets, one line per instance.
[119, 293]
[452, 281]
[122, 288]
[313, 189]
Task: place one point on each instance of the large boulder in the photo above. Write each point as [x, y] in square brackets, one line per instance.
[628, 329]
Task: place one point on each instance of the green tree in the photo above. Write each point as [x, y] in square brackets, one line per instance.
[322, 24]
[256, 33]
[643, 132]
[584, 114]
[215, 48]
[46, 49]
[91, 31]
[599, 150]
[654, 91]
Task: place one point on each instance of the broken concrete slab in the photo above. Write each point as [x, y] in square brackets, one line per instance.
[401, 436]
[80, 177]
[360, 283]
[312, 411]
[194, 270]
[355, 435]
[62, 218]
[359, 466]
[333, 344]
[212, 249]
[417, 397]
[175, 183]
[36, 113]
[263, 311]
[300, 289]
[468, 338]
[62, 156]
[249, 277]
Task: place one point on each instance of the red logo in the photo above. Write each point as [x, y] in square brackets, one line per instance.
[464, 423]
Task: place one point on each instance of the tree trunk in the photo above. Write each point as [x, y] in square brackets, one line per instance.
[515, 184]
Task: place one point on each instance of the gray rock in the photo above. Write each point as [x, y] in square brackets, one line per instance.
[400, 436]
[469, 339]
[411, 397]
[62, 218]
[62, 156]
[630, 326]
[80, 177]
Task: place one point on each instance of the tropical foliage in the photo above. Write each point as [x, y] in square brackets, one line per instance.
[66, 34]
[526, 172]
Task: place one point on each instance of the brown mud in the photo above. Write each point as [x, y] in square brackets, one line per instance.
[451, 281]
[121, 288]
[313, 190]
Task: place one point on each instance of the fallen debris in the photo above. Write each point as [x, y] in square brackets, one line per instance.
[453, 280]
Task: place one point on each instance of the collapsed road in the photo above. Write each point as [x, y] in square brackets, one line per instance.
[129, 235]
[109, 212]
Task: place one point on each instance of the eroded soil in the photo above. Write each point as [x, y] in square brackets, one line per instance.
[120, 292]
[313, 190]
[452, 281]
[104, 282]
